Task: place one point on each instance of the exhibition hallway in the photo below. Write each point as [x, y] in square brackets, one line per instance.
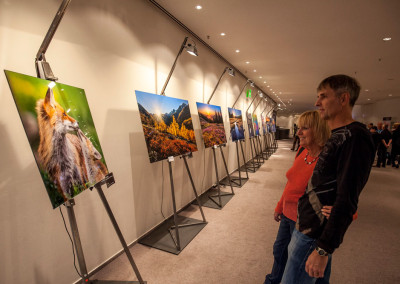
[236, 245]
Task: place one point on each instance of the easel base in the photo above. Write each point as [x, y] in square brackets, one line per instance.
[160, 238]
[235, 181]
[210, 199]
[251, 167]
[113, 282]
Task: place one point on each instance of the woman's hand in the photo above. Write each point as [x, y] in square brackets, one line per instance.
[326, 211]
[277, 217]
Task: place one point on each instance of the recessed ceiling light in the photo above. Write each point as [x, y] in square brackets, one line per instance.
[390, 95]
[368, 99]
[254, 70]
[280, 93]
[366, 90]
[247, 62]
[222, 34]
[237, 50]
[260, 77]
[198, 7]
[387, 38]
[267, 86]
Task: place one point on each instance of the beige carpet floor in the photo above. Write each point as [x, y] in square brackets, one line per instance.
[236, 245]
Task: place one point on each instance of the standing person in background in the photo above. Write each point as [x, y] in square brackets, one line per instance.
[380, 127]
[338, 178]
[396, 145]
[313, 134]
[296, 139]
[376, 138]
[386, 141]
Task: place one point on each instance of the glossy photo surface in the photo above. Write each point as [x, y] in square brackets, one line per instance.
[236, 124]
[212, 125]
[167, 126]
[61, 133]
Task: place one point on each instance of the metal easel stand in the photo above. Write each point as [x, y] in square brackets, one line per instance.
[77, 241]
[237, 181]
[259, 149]
[43, 70]
[215, 198]
[176, 232]
[275, 143]
[253, 165]
[269, 148]
[264, 147]
[109, 180]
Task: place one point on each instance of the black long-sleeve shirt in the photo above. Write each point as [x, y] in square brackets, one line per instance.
[340, 175]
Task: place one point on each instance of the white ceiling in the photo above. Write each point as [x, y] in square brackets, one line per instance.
[294, 44]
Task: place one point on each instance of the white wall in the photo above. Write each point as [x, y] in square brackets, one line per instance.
[110, 49]
[376, 111]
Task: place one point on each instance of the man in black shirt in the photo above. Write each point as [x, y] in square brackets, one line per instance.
[341, 173]
[386, 141]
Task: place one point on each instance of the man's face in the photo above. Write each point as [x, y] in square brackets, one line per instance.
[328, 103]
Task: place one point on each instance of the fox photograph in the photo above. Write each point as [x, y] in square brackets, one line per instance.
[61, 133]
[236, 124]
[167, 126]
[212, 125]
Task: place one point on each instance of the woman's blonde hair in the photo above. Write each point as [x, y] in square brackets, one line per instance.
[313, 120]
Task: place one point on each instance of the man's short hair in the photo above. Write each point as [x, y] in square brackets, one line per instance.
[342, 84]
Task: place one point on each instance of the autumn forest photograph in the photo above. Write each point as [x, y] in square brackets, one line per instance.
[167, 126]
[212, 125]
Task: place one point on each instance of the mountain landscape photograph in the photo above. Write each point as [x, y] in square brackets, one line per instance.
[167, 126]
[212, 125]
[236, 124]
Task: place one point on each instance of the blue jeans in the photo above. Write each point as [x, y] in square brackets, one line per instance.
[300, 247]
[280, 250]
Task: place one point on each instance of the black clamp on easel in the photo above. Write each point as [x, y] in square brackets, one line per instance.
[174, 234]
[218, 199]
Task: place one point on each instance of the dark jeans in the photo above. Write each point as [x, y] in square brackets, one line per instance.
[296, 143]
[280, 250]
[382, 153]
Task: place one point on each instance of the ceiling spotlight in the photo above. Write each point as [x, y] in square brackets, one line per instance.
[198, 7]
[237, 50]
[251, 84]
[222, 34]
[387, 38]
[260, 93]
[191, 49]
[231, 72]
[247, 62]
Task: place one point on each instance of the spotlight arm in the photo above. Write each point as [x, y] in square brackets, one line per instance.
[258, 104]
[248, 81]
[212, 94]
[173, 66]
[43, 69]
[251, 103]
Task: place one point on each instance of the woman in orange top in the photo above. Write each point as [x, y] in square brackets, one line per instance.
[313, 134]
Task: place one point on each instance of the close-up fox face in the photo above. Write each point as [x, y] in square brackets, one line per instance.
[59, 118]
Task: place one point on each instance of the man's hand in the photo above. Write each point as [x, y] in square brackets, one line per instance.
[316, 264]
[277, 217]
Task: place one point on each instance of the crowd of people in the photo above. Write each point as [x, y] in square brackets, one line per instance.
[331, 167]
[387, 144]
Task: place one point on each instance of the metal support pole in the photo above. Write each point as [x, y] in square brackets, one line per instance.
[251, 103]
[226, 168]
[119, 233]
[77, 240]
[212, 94]
[248, 81]
[238, 161]
[216, 173]
[194, 188]
[244, 159]
[177, 241]
[173, 66]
